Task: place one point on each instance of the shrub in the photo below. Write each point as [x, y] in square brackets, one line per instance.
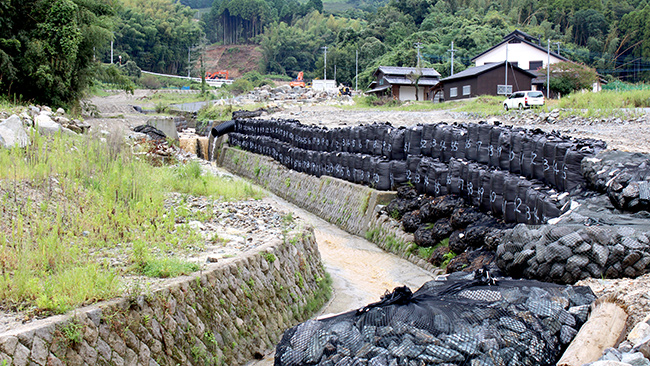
[241, 86]
[150, 82]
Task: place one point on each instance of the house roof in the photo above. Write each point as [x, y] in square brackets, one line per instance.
[375, 90]
[397, 80]
[524, 38]
[474, 71]
[522, 35]
[403, 71]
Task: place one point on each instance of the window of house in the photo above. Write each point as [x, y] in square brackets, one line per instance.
[453, 92]
[467, 89]
[534, 65]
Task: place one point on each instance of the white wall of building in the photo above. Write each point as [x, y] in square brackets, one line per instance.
[327, 85]
[408, 92]
[521, 53]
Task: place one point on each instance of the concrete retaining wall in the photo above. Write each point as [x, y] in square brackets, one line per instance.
[352, 207]
[347, 205]
[225, 315]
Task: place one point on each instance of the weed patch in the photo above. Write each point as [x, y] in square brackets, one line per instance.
[70, 205]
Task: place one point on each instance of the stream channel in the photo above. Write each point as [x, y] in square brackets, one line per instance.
[361, 271]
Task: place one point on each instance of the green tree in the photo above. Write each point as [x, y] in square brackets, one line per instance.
[567, 77]
[156, 34]
[46, 47]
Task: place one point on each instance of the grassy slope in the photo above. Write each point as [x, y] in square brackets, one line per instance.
[72, 205]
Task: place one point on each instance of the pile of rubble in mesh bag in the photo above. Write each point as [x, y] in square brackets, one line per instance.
[461, 320]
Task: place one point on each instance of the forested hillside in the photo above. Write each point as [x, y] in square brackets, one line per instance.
[47, 48]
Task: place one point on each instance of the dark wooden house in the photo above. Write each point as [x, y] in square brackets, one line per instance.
[487, 79]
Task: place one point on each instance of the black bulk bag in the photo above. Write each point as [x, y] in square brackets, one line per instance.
[412, 163]
[381, 176]
[453, 181]
[396, 148]
[472, 138]
[548, 162]
[412, 138]
[493, 148]
[517, 145]
[448, 147]
[421, 179]
[397, 173]
[483, 143]
[438, 137]
[497, 183]
[523, 212]
[428, 133]
[560, 154]
[504, 148]
[527, 155]
[458, 142]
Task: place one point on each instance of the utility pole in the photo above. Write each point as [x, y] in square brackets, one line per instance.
[325, 65]
[111, 51]
[334, 72]
[418, 45]
[356, 70]
[558, 47]
[548, 66]
[189, 63]
[452, 57]
[506, 91]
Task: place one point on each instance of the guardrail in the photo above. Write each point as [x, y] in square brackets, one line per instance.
[216, 83]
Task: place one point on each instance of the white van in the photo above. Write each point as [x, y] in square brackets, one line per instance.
[524, 99]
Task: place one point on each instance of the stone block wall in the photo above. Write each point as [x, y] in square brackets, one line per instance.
[387, 233]
[228, 314]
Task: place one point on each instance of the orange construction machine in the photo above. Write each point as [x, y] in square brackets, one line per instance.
[217, 75]
[298, 81]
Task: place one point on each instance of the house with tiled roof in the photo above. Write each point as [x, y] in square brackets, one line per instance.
[400, 82]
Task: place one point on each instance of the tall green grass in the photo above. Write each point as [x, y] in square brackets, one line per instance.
[607, 100]
[72, 205]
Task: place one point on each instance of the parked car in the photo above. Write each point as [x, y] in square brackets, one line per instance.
[524, 99]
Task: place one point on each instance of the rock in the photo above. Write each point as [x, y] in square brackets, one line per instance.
[465, 216]
[438, 255]
[458, 263]
[46, 125]
[411, 221]
[12, 133]
[639, 336]
[457, 243]
[607, 363]
[430, 235]
[557, 252]
[60, 111]
[635, 359]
